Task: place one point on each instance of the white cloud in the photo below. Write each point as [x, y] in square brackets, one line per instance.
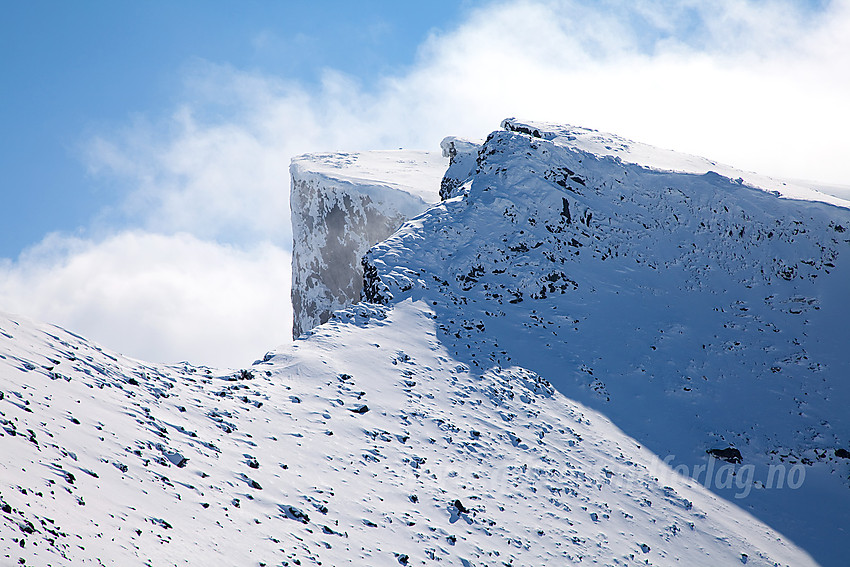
[156, 297]
[756, 84]
[759, 84]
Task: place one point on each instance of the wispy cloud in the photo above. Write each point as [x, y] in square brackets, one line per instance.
[760, 84]
[158, 297]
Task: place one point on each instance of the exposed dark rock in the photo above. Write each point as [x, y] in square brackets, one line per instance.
[294, 513]
[566, 210]
[177, 459]
[729, 454]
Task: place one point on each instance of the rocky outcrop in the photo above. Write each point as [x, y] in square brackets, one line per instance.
[463, 155]
[342, 204]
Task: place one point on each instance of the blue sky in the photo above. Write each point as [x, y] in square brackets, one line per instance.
[73, 69]
[145, 145]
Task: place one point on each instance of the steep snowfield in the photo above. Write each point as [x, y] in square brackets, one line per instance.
[695, 312]
[343, 204]
[367, 443]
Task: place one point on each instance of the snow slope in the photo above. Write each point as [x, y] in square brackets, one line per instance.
[367, 443]
[696, 312]
[342, 204]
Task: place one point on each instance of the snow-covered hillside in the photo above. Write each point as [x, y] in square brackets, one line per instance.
[343, 204]
[696, 312]
[579, 316]
[368, 443]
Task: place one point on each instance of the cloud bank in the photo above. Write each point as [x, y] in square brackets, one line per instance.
[158, 297]
[195, 261]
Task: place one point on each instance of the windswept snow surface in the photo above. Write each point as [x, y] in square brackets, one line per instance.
[367, 443]
[603, 144]
[694, 311]
[342, 204]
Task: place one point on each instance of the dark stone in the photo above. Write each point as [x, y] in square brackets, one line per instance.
[535, 133]
[27, 527]
[843, 453]
[729, 454]
[566, 212]
[177, 459]
[460, 507]
[294, 513]
[361, 409]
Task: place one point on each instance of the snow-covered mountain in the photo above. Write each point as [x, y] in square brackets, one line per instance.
[580, 316]
[696, 311]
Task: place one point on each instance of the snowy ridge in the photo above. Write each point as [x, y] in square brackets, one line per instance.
[342, 204]
[697, 313]
[351, 448]
[604, 144]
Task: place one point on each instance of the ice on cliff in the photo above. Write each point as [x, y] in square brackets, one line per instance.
[342, 204]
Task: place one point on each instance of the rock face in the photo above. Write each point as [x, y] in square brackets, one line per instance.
[342, 204]
[462, 156]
